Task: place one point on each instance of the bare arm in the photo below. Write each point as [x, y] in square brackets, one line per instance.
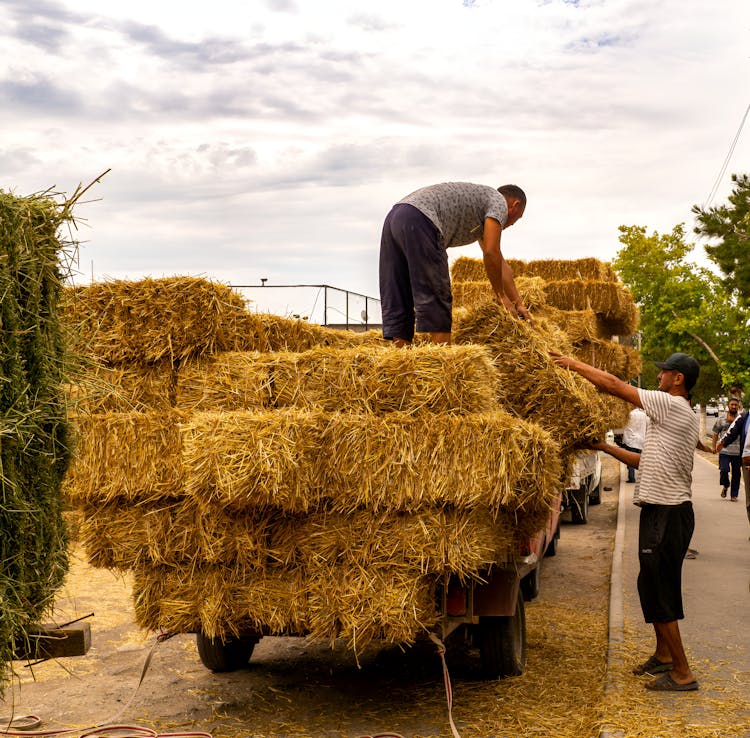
[602, 380]
[631, 458]
[498, 271]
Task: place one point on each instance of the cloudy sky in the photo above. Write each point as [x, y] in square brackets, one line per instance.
[269, 138]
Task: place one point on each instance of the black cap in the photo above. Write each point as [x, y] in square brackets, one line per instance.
[684, 364]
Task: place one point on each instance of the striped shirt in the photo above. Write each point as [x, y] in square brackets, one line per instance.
[665, 472]
[458, 209]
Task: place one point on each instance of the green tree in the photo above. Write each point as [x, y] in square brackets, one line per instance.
[684, 307]
[730, 224]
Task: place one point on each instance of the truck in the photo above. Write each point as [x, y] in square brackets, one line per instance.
[584, 486]
[489, 614]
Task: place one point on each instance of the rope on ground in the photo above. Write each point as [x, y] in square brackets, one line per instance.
[28, 725]
[447, 679]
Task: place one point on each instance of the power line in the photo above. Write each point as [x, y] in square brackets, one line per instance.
[727, 158]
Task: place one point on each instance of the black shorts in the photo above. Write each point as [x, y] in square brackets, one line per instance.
[664, 534]
[414, 277]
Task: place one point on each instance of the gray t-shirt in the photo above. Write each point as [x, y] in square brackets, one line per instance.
[721, 426]
[458, 209]
[666, 467]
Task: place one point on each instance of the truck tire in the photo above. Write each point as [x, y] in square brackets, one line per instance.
[502, 643]
[228, 655]
[579, 508]
[595, 497]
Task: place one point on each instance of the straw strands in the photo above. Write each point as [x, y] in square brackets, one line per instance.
[609, 299]
[295, 459]
[133, 456]
[576, 285]
[374, 380]
[466, 269]
[183, 533]
[335, 602]
[97, 388]
[468, 293]
[250, 331]
[34, 431]
[152, 319]
[618, 359]
[531, 384]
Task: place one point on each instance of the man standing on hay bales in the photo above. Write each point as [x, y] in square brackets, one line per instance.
[663, 492]
[414, 275]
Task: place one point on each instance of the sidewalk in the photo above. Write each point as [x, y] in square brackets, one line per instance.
[716, 594]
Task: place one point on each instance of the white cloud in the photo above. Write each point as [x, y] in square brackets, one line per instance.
[272, 137]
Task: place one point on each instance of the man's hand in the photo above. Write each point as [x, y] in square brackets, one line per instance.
[705, 447]
[524, 314]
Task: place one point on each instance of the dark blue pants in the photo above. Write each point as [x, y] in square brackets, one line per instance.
[414, 278]
[731, 464]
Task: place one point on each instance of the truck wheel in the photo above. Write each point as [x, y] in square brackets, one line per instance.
[595, 497]
[579, 509]
[224, 655]
[502, 643]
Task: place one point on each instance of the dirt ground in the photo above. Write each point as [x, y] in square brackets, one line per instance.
[295, 688]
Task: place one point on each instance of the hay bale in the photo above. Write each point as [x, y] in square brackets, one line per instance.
[431, 541]
[97, 388]
[586, 270]
[34, 430]
[251, 331]
[176, 532]
[618, 359]
[295, 460]
[611, 300]
[579, 325]
[403, 462]
[221, 601]
[181, 533]
[246, 459]
[468, 293]
[531, 384]
[136, 456]
[376, 379]
[336, 602]
[226, 381]
[152, 319]
[466, 269]
[360, 605]
[429, 378]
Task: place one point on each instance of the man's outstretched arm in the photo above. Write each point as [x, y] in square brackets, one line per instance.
[602, 380]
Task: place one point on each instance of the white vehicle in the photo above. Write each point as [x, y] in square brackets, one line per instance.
[584, 486]
[712, 410]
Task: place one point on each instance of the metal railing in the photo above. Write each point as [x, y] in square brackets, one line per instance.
[317, 303]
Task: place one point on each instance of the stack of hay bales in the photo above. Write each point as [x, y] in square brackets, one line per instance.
[34, 451]
[531, 384]
[583, 297]
[255, 483]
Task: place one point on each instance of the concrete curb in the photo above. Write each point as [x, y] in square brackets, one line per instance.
[616, 604]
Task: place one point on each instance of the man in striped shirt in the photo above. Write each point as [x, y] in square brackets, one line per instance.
[663, 492]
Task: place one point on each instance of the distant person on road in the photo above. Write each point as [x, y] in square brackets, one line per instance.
[730, 459]
[633, 436]
[414, 276]
[663, 492]
[739, 429]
